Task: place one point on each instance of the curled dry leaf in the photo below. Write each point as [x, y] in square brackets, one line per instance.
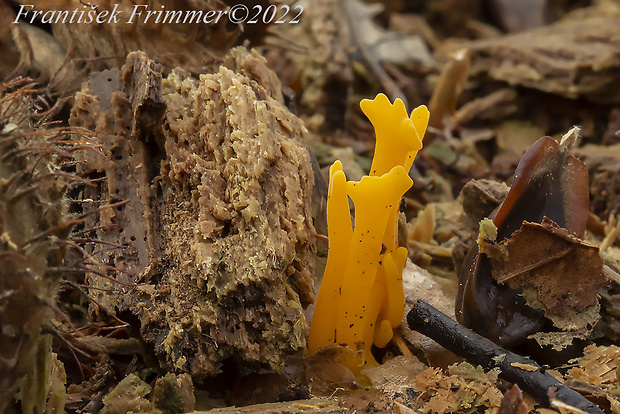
[549, 184]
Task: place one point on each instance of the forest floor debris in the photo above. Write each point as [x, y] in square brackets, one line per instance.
[197, 239]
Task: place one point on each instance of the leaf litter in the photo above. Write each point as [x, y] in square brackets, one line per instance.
[513, 92]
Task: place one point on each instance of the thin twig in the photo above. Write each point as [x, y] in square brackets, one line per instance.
[479, 350]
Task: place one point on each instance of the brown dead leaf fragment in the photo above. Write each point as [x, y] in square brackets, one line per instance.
[598, 366]
[565, 271]
[512, 403]
[325, 373]
[525, 367]
[462, 389]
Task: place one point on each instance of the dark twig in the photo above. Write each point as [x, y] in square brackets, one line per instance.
[450, 334]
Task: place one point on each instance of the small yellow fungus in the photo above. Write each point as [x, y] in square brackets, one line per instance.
[361, 297]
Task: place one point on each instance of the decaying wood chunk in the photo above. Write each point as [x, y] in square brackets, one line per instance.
[128, 396]
[174, 393]
[571, 58]
[481, 197]
[217, 229]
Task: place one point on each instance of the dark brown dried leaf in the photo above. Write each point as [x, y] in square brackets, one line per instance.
[512, 403]
[564, 270]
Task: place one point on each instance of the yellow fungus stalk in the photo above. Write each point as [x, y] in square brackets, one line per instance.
[361, 297]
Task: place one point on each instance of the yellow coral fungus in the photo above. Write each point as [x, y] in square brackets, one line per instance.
[361, 297]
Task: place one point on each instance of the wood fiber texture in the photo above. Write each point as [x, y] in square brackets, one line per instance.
[217, 230]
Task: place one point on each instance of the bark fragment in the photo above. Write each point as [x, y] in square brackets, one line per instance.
[570, 58]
